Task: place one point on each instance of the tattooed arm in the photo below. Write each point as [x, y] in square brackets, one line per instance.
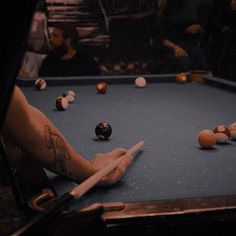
[29, 129]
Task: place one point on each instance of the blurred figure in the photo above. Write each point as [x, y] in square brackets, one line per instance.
[233, 5]
[182, 33]
[65, 58]
[31, 64]
[38, 43]
[38, 40]
[222, 39]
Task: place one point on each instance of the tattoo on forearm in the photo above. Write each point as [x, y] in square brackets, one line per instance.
[61, 154]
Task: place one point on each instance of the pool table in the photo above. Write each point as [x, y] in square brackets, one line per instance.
[172, 179]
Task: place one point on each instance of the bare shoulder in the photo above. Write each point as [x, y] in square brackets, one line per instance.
[17, 92]
[17, 108]
[18, 98]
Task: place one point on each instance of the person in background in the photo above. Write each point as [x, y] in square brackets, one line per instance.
[66, 58]
[38, 40]
[221, 34]
[38, 43]
[182, 33]
[31, 65]
[233, 5]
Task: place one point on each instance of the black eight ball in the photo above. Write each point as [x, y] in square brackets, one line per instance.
[103, 130]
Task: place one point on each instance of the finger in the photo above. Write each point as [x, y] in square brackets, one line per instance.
[118, 172]
[121, 168]
[126, 162]
[179, 54]
[185, 54]
[117, 152]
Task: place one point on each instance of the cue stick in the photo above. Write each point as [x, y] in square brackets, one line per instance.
[80, 190]
[76, 192]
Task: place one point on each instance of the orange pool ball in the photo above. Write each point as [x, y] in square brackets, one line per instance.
[181, 78]
[102, 87]
[206, 138]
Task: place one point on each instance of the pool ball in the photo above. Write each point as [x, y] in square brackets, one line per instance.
[222, 133]
[103, 130]
[206, 138]
[40, 84]
[181, 78]
[232, 129]
[69, 95]
[140, 82]
[61, 103]
[102, 87]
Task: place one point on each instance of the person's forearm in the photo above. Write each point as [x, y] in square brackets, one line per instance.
[41, 140]
[169, 44]
[55, 151]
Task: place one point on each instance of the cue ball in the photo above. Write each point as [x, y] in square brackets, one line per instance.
[206, 138]
[222, 133]
[40, 84]
[181, 78]
[61, 103]
[103, 130]
[140, 82]
[232, 129]
[102, 87]
[69, 95]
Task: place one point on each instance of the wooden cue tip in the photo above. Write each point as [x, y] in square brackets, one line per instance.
[135, 148]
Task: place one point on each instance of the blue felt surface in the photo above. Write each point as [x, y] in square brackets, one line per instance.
[168, 117]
